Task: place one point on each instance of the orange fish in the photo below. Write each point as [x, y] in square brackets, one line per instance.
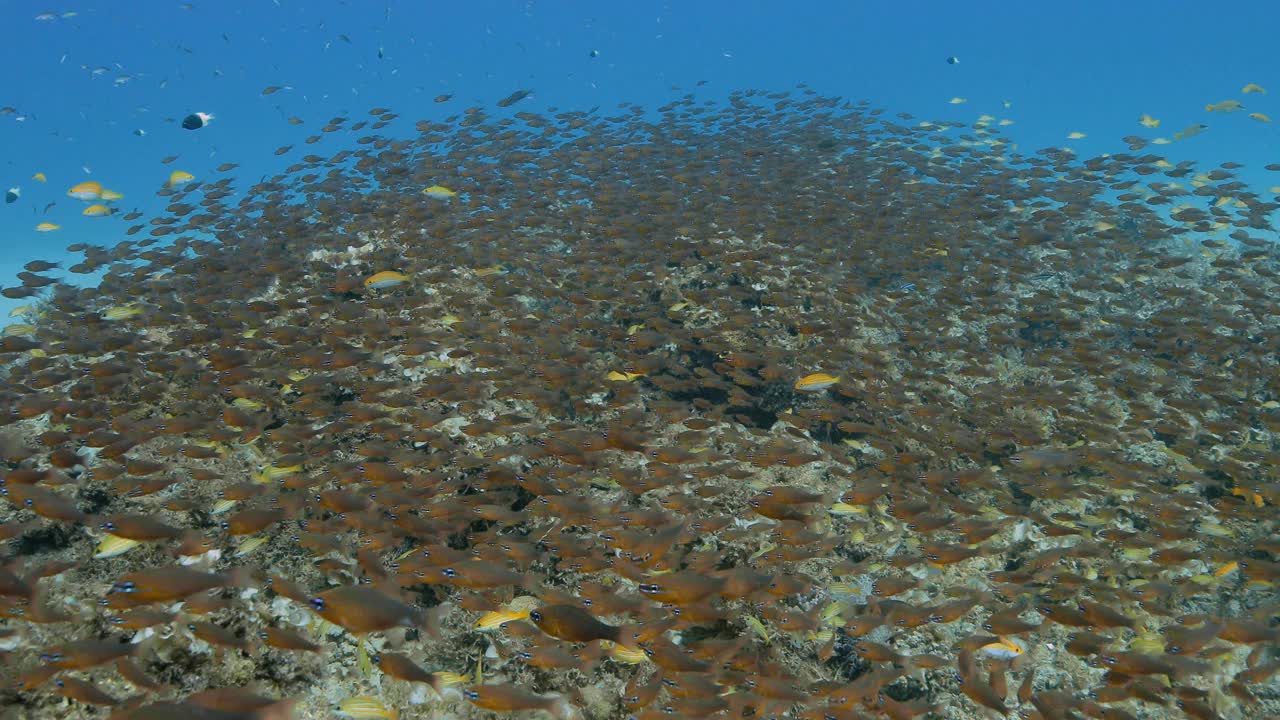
[164, 584]
[509, 698]
[567, 622]
[362, 609]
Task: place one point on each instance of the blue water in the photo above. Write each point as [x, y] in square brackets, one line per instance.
[1091, 66]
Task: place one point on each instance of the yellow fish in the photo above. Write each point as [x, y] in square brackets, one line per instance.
[249, 545]
[19, 330]
[1225, 106]
[385, 279]
[1260, 117]
[1148, 122]
[496, 619]
[114, 546]
[47, 227]
[1253, 88]
[1003, 649]
[958, 100]
[88, 190]
[365, 707]
[109, 195]
[97, 211]
[39, 177]
[627, 655]
[439, 192]
[615, 376]
[1190, 131]
[817, 382]
[178, 177]
[120, 312]
[1076, 136]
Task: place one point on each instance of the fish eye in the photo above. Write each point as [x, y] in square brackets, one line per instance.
[449, 572]
[317, 603]
[535, 616]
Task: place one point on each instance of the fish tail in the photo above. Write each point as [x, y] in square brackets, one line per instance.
[642, 632]
[282, 710]
[562, 709]
[241, 577]
[429, 620]
[437, 683]
[534, 583]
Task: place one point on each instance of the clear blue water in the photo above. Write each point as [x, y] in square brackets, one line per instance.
[1092, 67]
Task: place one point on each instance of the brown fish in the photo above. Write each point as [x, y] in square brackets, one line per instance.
[168, 710]
[362, 609]
[509, 698]
[82, 691]
[164, 584]
[567, 622]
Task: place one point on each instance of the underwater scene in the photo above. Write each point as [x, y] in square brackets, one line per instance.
[556, 360]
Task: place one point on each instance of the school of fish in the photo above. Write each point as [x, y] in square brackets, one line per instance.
[780, 407]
